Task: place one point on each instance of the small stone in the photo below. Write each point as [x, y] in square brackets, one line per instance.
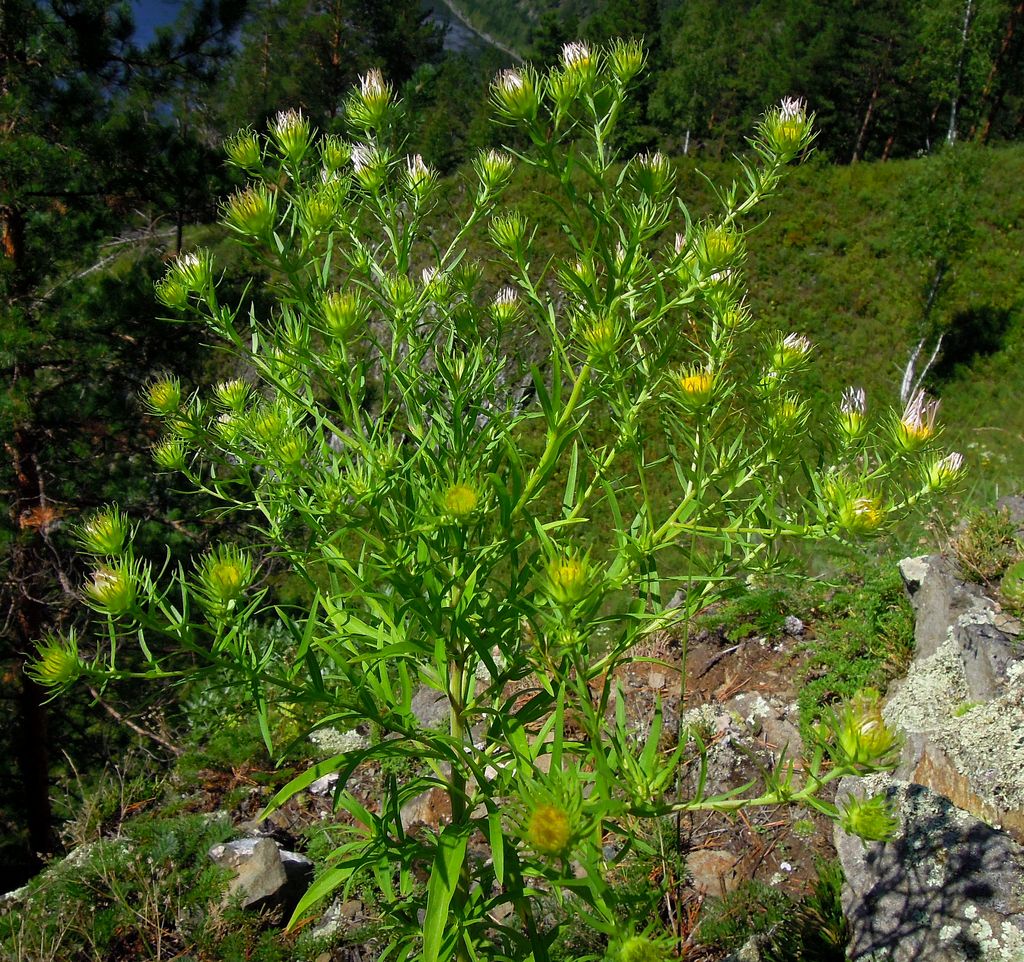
[324, 785]
[259, 872]
[713, 870]
[656, 680]
[432, 808]
[793, 626]
[429, 706]
[265, 875]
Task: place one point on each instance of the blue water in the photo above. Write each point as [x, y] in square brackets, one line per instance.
[151, 14]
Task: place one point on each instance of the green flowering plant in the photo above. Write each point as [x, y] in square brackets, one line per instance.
[504, 548]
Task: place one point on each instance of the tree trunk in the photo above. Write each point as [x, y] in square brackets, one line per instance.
[951, 132]
[28, 617]
[993, 103]
[859, 146]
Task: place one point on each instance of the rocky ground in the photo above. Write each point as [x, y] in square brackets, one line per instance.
[739, 695]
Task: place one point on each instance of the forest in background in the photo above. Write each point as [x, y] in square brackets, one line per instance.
[110, 154]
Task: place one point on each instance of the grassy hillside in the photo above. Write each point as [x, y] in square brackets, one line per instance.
[826, 264]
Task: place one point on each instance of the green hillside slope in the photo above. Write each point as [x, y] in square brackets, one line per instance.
[827, 262]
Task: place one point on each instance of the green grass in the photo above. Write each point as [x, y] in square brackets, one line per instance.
[987, 545]
[864, 637]
[810, 929]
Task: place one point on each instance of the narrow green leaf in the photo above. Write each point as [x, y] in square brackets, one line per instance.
[444, 878]
[497, 838]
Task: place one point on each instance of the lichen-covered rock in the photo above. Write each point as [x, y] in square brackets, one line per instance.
[964, 741]
[947, 888]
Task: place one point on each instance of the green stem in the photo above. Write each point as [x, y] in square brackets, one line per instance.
[457, 792]
[554, 440]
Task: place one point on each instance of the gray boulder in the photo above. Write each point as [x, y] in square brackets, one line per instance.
[950, 886]
[266, 876]
[947, 888]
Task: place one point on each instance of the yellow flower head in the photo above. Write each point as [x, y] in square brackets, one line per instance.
[460, 500]
[568, 579]
[695, 387]
[862, 515]
[917, 424]
[163, 396]
[549, 829]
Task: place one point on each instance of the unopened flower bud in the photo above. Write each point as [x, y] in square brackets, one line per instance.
[600, 337]
[57, 663]
[916, 426]
[652, 173]
[789, 353]
[267, 425]
[370, 166]
[243, 150]
[732, 316]
[171, 292]
[494, 168]
[642, 948]
[626, 59]
[250, 212]
[508, 231]
[567, 579]
[420, 180]
[399, 292]
[436, 284]
[104, 533]
[852, 410]
[787, 414]
[291, 134]
[112, 588]
[863, 737]
[787, 129]
[579, 278]
[171, 454]
[718, 247]
[870, 819]
[944, 472]
[344, 312]
[334, 153]
[319, 211]
[505, 306]
[191, 273]
[370, 106]
[233, 394]
[223, 576]
[514, 93]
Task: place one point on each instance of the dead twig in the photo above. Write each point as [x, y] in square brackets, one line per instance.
[128, 723]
